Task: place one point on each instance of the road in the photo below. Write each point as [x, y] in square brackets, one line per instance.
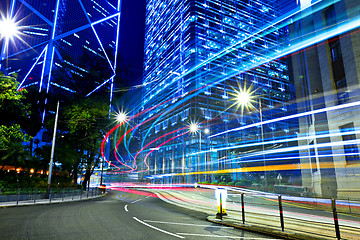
[127, 215]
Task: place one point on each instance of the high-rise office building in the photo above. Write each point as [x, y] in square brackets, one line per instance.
[60, 41]
[207, 65]
[327, 86]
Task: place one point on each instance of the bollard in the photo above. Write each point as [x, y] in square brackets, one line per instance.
[242, 208]
[81, 193]
[63, 194]
[221, 196]
[281, 213]
[18, 197]
[336, 220]
[50, 195]
[87, 193]
[72, 198]
[35, 195]
[221, 207]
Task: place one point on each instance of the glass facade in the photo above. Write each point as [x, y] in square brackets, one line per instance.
[67, 38]
[199, 56]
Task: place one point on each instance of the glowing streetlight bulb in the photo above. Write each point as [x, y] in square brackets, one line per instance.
[194, 127]
[206, 131]
[243, 98]
[8, 28]
[121, 117]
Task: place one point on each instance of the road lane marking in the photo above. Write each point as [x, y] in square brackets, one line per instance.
[169, 233]
[187, 224]
[126, 209]
[218, 236]
[136, 201]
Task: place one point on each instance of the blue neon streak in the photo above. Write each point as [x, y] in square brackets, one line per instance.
[43, 69]
[51, 65]
[97, 37]
[104, 19]
[55, 19]
[336, 134]
[22, 82]
[346, 105]
[98, 87]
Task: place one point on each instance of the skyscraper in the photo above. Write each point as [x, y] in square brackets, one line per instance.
[207, 65]
[327, 82]
[60, 41]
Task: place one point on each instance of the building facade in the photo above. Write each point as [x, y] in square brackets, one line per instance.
[200, 56]
[61, 41]
[327, 83]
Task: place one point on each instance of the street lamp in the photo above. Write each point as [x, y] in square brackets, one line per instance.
[244, 98]
[8, 28]
[121, 117]
[195, 128]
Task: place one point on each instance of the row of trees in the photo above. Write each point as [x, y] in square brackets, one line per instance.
[81, 126]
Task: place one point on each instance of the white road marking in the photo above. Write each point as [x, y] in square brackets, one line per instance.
[186, 224]
[172, 234]
[218, 236]
[126, 208]
[136, 201]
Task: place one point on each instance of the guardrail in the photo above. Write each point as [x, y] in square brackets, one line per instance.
[32, 196]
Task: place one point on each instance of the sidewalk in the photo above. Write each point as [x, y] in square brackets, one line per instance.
[42, 201]
[262, 220]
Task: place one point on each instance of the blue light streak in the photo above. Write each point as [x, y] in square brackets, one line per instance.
[104, 19]
[22, 82]
[333, 108]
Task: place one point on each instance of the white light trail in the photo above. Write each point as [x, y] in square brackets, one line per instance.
[298, 115]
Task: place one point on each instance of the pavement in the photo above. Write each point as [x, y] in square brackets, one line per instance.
[297, 225]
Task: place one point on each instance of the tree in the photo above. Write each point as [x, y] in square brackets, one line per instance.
[84, 121]
[12, 111]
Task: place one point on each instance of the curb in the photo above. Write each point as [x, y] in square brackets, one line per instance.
[263, 230]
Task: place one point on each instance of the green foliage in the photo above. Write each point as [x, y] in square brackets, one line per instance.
[222, 183]
[230, 184]
[12, 111]
[223, 177]
[214, 183]
[244, 182]
[12, 106]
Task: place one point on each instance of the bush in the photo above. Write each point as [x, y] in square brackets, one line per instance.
[214, 183]
[243, 182]
[230, 184]
[222, 183]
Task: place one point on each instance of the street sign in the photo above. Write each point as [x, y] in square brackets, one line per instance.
[279, 177]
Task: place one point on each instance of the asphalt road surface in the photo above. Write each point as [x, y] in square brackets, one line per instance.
[120, 215]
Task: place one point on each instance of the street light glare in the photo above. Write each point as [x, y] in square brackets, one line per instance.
[194, 127]
[243, 98]
[8, 28]
[121, 117]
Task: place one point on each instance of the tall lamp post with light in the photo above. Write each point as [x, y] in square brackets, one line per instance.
[195, 128]
[244, 99]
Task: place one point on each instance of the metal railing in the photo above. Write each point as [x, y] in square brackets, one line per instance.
[32, 196]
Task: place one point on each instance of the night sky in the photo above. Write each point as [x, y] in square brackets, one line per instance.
[132, 28]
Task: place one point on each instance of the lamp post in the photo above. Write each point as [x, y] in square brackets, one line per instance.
[194, 128]
[53, 146]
